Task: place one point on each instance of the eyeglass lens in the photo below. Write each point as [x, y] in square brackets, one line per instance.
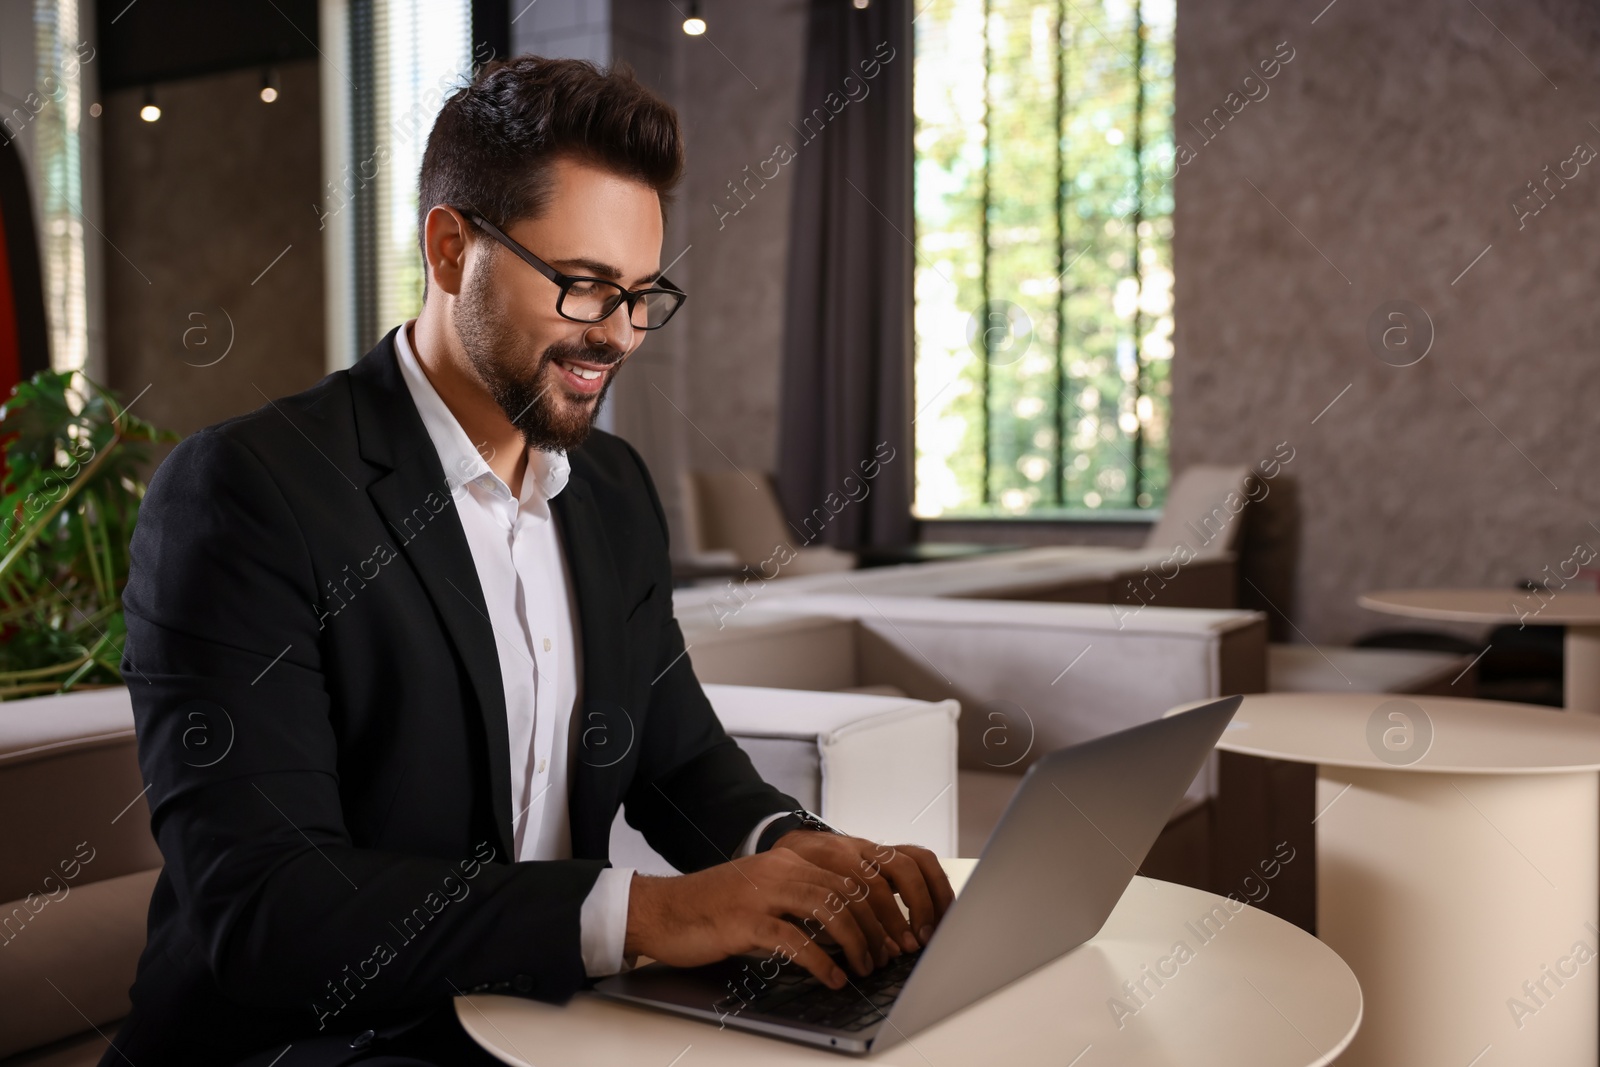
[591, 301]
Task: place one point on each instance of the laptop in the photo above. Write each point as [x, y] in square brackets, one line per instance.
[1063, 853]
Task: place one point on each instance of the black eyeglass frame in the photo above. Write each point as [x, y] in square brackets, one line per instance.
[566, 281]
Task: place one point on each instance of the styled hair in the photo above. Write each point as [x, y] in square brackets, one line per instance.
[495, 139]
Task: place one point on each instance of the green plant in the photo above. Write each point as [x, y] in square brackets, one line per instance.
[68, 504]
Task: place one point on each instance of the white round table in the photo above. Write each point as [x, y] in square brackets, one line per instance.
[1258, 992]
[1458, 857]
[1578, 612]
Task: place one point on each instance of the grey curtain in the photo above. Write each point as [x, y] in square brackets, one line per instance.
[845, 461]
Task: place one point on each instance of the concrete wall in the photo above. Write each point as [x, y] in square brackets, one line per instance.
[199, 208]
[1381, 164]
[742, 84]
[705, 387]
[704, 391]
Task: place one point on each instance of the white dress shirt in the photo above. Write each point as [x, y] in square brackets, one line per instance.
[517, 552]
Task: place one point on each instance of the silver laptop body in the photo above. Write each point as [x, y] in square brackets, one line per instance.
[1063, 853]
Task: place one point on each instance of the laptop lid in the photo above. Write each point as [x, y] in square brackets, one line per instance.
[1063, 853]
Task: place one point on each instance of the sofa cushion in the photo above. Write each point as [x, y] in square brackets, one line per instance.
[79, 1050]
[71, 957]
[70, 761]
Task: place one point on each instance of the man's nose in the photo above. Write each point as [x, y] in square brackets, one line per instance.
[615, 331]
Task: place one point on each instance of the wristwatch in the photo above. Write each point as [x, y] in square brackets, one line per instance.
[798, 819]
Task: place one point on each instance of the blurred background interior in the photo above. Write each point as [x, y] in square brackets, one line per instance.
[1222, 317]
[1074, 251]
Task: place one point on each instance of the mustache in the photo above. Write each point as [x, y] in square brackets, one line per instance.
[606, 357]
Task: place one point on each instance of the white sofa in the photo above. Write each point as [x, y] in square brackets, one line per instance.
[1073, 671]
[1083, 574]
[879, 767]
[1030, 677]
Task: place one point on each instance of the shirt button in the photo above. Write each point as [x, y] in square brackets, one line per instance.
[541, 765]
[547, 644]
[522, 983]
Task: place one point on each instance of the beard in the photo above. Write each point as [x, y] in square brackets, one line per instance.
[526, 383]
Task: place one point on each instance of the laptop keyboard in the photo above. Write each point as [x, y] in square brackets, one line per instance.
[794, 994]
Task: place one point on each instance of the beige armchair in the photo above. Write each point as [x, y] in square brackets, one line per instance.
[737, 511]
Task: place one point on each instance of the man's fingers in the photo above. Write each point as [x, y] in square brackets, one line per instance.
[933, 874]
[854, 888]
[888, 912]
[818, 905]
[795, 945]
[907, 879]
[858, 892]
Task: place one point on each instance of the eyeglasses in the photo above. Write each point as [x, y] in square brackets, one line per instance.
[585, 299]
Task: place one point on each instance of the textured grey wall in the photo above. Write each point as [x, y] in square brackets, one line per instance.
[198, 209]
[741, 91]
[1382, 162]
[704, 391]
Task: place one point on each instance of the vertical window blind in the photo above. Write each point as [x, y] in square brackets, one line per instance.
[406, 57]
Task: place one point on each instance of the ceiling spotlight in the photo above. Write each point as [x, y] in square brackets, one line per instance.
[269, 85]
[149, 112]
[859, 5]
[694, 25]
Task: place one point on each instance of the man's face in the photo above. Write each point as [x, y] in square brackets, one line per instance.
[549, 374]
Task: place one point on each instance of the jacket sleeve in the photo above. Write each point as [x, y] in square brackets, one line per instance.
[695, 795]
[238, 747]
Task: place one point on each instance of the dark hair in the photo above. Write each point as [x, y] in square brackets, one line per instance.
[494, 140]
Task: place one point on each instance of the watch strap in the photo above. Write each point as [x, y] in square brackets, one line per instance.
[798, 819]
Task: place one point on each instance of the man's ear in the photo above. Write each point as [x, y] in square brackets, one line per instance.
[446, 246]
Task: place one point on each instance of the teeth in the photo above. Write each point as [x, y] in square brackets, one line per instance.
[583, 372]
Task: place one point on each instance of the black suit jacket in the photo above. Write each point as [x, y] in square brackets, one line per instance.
[322, 725]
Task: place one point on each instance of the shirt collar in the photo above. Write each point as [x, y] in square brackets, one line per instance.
[546, 474]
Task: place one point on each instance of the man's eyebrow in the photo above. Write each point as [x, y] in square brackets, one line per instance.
[599, 269]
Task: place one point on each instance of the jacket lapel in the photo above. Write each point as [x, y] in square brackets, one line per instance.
[603, 730]
[416, 504]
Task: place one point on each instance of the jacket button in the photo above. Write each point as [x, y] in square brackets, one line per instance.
[363, 1039]
[523, 983]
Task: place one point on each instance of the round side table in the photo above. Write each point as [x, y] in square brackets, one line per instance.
[1458, 869]
[1252, 991]
[1578, 612]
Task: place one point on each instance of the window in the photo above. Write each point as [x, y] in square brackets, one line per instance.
[59, 179]
[399, 60]
[1043, 289]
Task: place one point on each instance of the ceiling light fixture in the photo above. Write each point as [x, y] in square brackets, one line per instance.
[694, 25]
[149, 112]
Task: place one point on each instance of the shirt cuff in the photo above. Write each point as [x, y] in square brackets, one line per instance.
[749, 846]
[603, 921]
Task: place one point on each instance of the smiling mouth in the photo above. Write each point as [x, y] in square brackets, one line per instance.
[584, 381]
[588, 374]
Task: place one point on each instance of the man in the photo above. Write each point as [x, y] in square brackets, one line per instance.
[400, 645]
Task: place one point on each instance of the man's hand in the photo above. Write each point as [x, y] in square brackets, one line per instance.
[776, 901]
[909, 870]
